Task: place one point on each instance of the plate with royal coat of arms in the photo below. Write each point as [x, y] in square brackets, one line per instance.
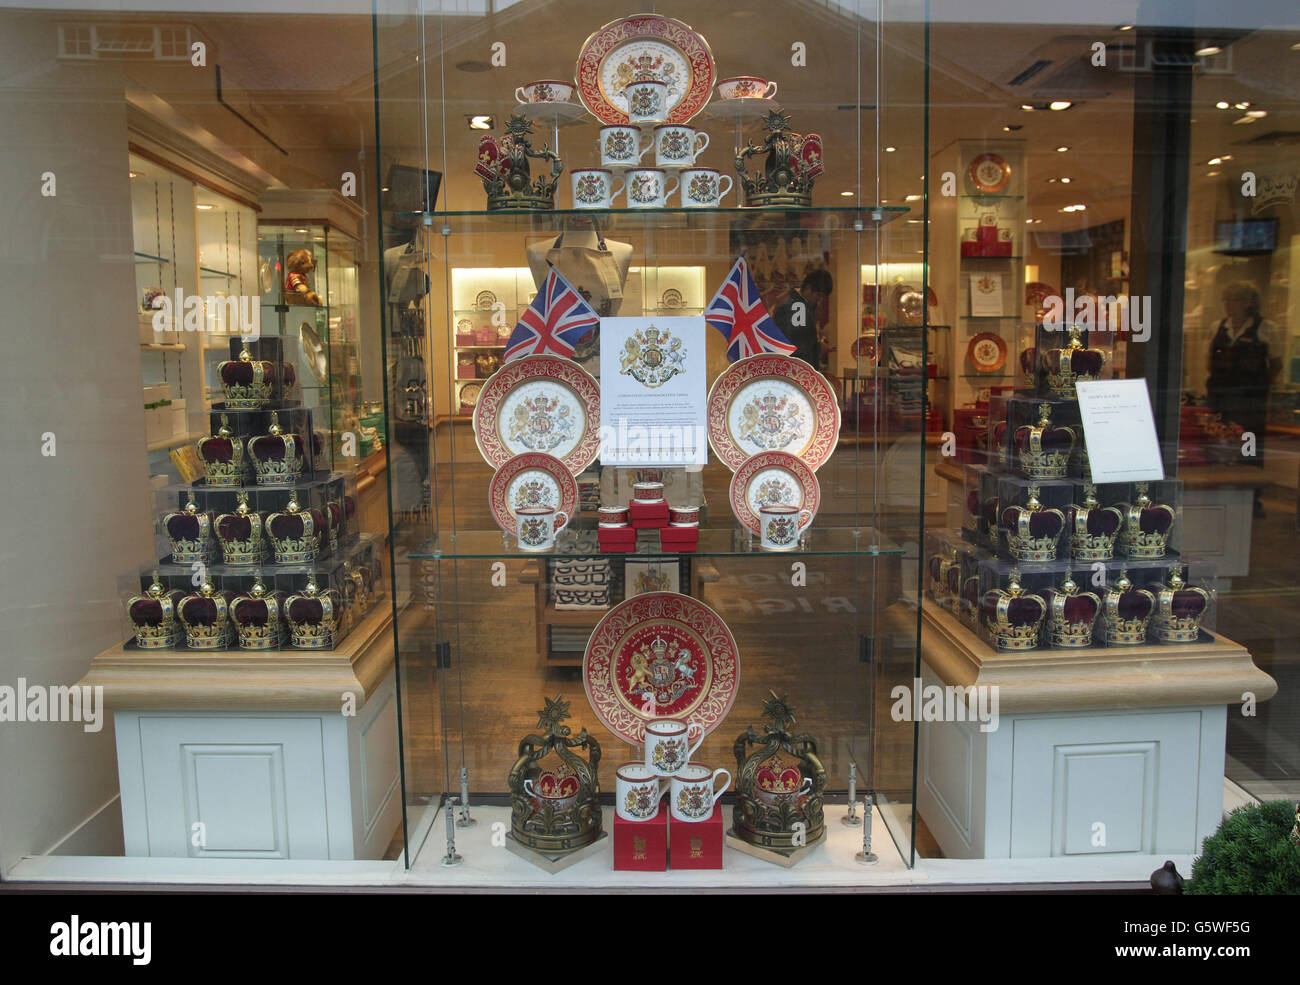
[539, 404]
[772, 478]
[771, 402]
[531, 479]
[660, 655]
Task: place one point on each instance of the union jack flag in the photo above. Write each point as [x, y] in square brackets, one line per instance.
[738, 312]
[556, 320]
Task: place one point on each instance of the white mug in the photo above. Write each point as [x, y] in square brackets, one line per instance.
[702, 188]
[593, 188]
[694, 792]
[746, 87]
[620, 147]
[648, 188]
[538, 525]
[676, 145]
[668, 744]
[781, 525]
[637, 792]
[647, 102]
[545, 91]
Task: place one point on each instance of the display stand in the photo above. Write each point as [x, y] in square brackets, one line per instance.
[786, 859]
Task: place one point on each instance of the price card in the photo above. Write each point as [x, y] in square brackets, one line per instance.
[1119, 431]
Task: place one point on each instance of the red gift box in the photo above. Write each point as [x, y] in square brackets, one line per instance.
[971, 248]
[641, 846]
[684, 539]
[696, 844]
[464, 338]
[986, 234]
[615, 540]
[486, 335]
[998, 249]
[647, 516]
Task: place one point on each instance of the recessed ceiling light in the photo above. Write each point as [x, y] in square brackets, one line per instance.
[1062, 149]
[1208, 50]
[890, 150]
[1215, 160]
[1244, 104]
[1258, 114]
[1059, 104]
[1211, 174]
[912, 198]
[1225, 157]
[300, 230]
[1126, 27]
[1038, 221]
[205, 206]
[848, 194]
[479, 121]
[1026, 107]
[133, 174]
[1221, 105]
[1051, 181]
[1028, 221]
[1065, 181]
[1296, 46]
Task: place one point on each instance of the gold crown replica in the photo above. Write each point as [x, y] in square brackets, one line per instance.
[1072, 363]
[1071, 614]
[259, 618]
[780, 783]
[555, 792]
[153, 616]
[189, 530]
[248, 383]
[1013, 616]
[277, 456]
[944, 584]
[222, 455]
[1147, 526]
[242, 534]
[295, 533]
[1179, 609]
[1126, 610]
[206, 618]
[361, 587]
[1093, 527]
[507, 175]
[794, 161]
[313, 617]
[1033, 530]
[1043, 449]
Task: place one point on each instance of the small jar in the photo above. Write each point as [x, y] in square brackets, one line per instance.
[648, 492]
[684, 516]
[613, 516]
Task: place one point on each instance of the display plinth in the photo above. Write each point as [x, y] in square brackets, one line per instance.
[616, 540]
[683, 539]
[785, 859]
[648, 516]
[696, 844]
[556, 863]
[641, 846]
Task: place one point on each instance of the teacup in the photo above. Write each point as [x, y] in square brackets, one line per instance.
[637, 792]
[695, 791]
[676, 145]
[647, 101]
[746, 87]
[545, 91]
[684, 516]
[613, 516]
[775, 797]
[648, 188]
[558, 792]
[702, 188]
[647, 492]
[780, 526]
[620, 147]
[594, 188]
[537, 526]
[668, 744]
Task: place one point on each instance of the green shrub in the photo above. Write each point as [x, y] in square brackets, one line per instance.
[1251, 854]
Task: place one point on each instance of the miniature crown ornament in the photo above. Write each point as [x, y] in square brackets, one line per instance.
[248, 383]
[1071, 614]
[1032, 530]
[1044, 449]
[1013, 616]
[1093, 528]
[507, 176]
[554, 792]
[295, 533]
[190, 532]
[277, 456]
[794, 161]
[206, 618]
[259, 618]
[780, 783]
[222, 455]
[1147, 526]
[242, 534]
[313, 617]
[1126, 611]
[1072, 363]
[1179, 609]
[153, 616]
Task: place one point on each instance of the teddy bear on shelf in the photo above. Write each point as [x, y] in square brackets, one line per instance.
[297, 287]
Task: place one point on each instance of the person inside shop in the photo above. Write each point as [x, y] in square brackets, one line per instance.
[802, 316]
[1243, 361]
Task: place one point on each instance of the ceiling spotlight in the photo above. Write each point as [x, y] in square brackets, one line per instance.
[890, 150]
[479, 121]
[205, 206]
[1211, 174]
[1051, 181]
[1126, 27]
[1296, 46]
[1026, 107]
[1244, 104]
[1208, 50]
[847, 194]
[912, 198]
[1221, 105]
[300, 230]
[1258, 114]
[1215, 160]
[1059, 104]
[1225, 157]
[1243, 119]
[384, 189]
[1037, 221]
[133, 174]
[1028, 221]
[1062, 149]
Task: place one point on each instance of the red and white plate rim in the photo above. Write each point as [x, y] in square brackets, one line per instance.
[530, 460]
[743, 476]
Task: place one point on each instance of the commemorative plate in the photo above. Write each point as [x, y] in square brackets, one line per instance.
[539, 403]
[772, 478]
[531, 479]
[990, 173]
[987, 352]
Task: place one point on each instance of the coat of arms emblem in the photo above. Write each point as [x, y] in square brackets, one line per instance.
[652, 357]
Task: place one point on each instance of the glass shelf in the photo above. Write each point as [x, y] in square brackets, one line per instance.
[985, 376]
[1017, 257]
[149, 258]
[209, 272]
[613, 220]
[730, 541]
[986, 317]
[983, 195]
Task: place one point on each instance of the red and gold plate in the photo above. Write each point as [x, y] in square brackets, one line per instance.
[531, 479]
[772, 478]
[539, 404]
[990, 173]
[771, 402]
[660, 655]
[987, 352]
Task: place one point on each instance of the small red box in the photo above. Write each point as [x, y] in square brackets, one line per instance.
[685, 539]
[986, 234]
[698, 844]
[1002, 249]
[486, 335]
[616, 540]
[647, 516]
[641, 846]
[464, 338]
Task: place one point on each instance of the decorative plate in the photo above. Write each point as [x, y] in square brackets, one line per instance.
[1036, 292]
[672, 298]
[651, 44]
[772, 402]
[531, 479]
[987, 352]
[469, 394]
[485, 300]
[464, 325]
[864, 347]
[660, 655]
[539, 403]
[772, 478]
[990, 173]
